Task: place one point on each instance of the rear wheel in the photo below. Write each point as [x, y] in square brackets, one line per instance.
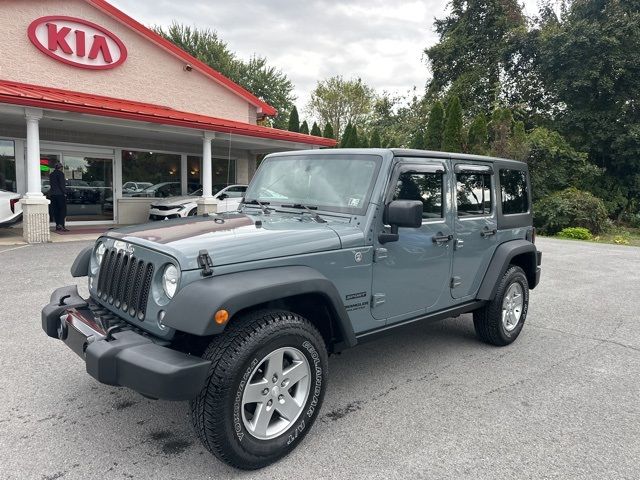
[265, 387]
[192, 212]
[501, 320]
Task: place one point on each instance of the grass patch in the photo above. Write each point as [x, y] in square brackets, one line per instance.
[616, 236]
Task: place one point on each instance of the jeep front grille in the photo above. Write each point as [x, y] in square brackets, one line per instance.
[124, 282]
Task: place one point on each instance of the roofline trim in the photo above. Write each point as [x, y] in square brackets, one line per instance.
[262, 106]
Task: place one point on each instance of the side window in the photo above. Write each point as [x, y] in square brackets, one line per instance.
[235, 192]
[513, 190]
[473, 194]
[426, 187]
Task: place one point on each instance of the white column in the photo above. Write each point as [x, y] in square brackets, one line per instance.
[35, 206]
[33, 116]
[206, 164]
[206, 204]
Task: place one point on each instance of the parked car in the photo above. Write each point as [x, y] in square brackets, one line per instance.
[134, 187]
[162, 189]
[10, 208]
[237, 312]
[227, 199]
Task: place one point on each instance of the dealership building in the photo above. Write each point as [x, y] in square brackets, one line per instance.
[130, 116]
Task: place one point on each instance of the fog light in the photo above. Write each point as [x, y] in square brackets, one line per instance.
[221, 317]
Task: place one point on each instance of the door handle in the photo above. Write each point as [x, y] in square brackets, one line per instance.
[487, 233]
[441, 239]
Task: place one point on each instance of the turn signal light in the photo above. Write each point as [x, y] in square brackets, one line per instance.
[221, 317]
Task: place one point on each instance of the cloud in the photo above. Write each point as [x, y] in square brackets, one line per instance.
[379, 41]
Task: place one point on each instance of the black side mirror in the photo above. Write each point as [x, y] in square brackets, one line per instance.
[222, 196]
[401, 213]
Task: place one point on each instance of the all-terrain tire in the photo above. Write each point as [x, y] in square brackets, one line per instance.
[488, 320]
[217, 412]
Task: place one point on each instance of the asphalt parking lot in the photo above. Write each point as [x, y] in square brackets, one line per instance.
[429, 401]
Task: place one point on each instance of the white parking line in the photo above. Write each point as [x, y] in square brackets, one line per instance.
[14, 248]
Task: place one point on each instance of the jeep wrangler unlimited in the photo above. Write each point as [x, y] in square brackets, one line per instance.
[237, 312]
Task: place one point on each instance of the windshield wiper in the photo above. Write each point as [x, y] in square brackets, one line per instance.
[262, 205]
[309, 210]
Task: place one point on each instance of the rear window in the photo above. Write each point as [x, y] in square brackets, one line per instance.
[513, 191]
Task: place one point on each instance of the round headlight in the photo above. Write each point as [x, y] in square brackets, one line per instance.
[170, 279]
[100, 249]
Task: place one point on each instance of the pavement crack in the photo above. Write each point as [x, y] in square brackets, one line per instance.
[595, 339]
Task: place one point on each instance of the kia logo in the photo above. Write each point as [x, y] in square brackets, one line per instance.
[77, 42]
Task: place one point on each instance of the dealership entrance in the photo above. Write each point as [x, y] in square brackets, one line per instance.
[89, 179]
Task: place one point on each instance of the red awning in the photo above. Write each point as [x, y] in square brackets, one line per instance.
[68, 101]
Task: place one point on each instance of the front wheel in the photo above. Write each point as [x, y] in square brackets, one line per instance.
[501, 320]
[265, 388]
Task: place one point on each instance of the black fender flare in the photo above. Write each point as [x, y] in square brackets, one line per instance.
[80, 266]
[193, 308]
[500, 262]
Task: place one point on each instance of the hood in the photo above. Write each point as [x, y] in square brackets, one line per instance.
[236, 237]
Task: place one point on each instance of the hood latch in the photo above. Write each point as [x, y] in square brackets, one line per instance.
[205, 263]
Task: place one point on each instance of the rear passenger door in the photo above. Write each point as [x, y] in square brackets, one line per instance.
[475, 225]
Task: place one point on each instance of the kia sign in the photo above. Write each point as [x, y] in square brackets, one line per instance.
[77, 42]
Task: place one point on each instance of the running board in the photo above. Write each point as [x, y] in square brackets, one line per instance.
[430, 317]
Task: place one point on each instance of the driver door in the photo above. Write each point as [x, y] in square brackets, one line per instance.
[411, 274]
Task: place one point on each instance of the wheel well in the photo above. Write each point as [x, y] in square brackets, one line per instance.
[527, 262]
[314, 307]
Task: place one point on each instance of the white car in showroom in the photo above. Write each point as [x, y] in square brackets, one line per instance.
[227, 199]
[10, 208]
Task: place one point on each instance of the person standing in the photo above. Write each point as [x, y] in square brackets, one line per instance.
[57, 194]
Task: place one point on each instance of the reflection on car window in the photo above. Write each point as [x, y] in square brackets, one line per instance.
[425, 187]
[332, 182]
[473, 194]
[513, 190]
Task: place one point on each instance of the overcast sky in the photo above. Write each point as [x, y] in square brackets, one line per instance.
[380, 41]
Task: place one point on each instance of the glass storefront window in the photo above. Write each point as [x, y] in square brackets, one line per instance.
[8, 166]
[150, 174]
[223, 172]
[89, 184]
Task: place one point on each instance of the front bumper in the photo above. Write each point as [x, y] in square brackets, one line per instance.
[123, 357]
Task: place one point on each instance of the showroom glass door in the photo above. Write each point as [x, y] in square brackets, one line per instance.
[89, 181]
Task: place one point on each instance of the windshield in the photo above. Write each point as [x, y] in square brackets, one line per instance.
[339, 183]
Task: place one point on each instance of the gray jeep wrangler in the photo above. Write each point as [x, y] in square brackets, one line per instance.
[238, 312]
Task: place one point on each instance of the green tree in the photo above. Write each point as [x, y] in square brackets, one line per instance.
[294, 120]
[469, 58]
[345, 140]
[304, 128]
[500, 131]
[339, 102]
[435, 127]
[328, 131]
[417, 139]
[375, 141]
[354, 141]
[478, 136]
[266, 82]
[452, 138]
[518, 148]
[590, 58]
[555, 165]
[315, 130]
